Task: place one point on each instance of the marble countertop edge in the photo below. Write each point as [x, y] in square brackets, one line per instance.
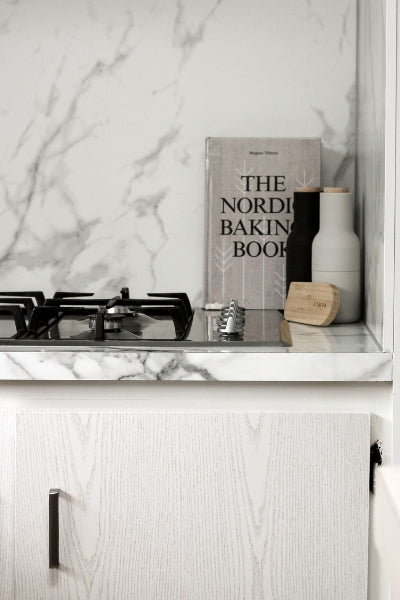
[116, 365]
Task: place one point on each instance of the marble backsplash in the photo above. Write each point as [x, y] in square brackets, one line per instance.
[105, 107]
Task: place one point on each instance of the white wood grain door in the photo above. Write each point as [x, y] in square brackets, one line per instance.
[170, 506]
[7, 473]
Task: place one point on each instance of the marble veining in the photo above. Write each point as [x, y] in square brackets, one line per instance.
[335, 353]
[200, 366]
[104, 111]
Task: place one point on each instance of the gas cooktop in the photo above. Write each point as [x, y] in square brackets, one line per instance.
[163, 320]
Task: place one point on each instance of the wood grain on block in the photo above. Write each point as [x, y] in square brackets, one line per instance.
[312, 303]
[286, 336]
[387, 523]
[199, 506]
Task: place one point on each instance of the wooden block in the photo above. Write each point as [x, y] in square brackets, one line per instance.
[312, 303]
[286, 336]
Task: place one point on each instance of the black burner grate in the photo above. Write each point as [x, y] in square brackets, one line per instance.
[34, 315]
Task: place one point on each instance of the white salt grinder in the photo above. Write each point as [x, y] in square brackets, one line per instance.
[336, 251]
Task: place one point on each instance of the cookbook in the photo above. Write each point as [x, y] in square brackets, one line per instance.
[249, 214]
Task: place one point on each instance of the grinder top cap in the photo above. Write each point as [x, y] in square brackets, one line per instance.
[336, 190]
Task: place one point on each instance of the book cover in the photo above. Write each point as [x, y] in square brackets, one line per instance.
[249, 214]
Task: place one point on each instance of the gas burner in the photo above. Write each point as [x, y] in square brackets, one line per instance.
[80, 316]
[114, 313]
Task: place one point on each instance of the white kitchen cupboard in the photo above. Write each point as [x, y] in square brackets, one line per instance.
[200, 506]
[7, 480]
[387, 523]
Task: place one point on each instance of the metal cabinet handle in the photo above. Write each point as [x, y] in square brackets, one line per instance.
[54, 561]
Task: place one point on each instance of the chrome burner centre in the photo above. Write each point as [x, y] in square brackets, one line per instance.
[112, 321]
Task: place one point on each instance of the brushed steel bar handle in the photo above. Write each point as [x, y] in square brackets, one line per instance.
[54, 561]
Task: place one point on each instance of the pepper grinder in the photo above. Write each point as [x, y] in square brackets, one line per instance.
[336, 252]
[299, 241]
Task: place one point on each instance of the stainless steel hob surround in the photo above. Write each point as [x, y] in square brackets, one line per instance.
[161, 320]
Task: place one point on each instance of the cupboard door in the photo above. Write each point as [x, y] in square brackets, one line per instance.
[193, 506]
[7, 472]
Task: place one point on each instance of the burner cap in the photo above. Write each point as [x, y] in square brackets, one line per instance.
[118, 310]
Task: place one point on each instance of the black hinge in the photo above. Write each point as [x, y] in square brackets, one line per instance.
[375, 459]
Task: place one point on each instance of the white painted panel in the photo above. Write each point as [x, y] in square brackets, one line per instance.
[376, 160]
[7, 464]
[194, 506]
[387, 523]
[391, 63]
